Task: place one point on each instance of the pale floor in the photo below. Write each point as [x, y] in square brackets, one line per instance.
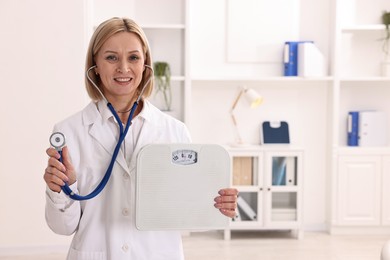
[268, 246]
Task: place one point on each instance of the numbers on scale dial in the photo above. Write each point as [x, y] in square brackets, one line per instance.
[184, 157]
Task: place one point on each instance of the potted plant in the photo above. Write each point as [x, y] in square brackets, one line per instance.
[162, 74]
[386, 43]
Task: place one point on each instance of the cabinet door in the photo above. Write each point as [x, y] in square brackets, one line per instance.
[386, 191]
[359, 190]
[245, 177]
[282, 188]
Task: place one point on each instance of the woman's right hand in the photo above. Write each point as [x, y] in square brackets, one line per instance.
[57, 173]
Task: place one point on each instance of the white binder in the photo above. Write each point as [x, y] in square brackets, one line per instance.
[290, 171]
[246, 208]
[311, 62]
[372, 128]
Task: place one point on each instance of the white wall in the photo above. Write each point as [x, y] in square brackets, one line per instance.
[41, 66]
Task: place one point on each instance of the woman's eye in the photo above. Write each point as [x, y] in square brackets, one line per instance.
[133, 58]
[111, 58]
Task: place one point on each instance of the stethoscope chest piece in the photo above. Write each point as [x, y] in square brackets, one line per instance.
[57, 140]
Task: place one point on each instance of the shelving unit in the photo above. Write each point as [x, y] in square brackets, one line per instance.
[167, 33]
[359, 174]
[270, 182]
[316, 108]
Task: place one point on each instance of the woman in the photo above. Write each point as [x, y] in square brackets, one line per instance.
[119, 59]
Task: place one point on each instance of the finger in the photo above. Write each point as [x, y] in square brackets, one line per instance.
[228, 206]
[59, 174]
[228, 213]
[66, 158]
[53, 179]
[53, 153]
[54, 187]
[53, 162]
[228, 191]
[221, 199]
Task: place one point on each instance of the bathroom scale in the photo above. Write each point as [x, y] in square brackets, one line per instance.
[176, 185]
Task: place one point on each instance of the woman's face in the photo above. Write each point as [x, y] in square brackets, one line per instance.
[120, 64]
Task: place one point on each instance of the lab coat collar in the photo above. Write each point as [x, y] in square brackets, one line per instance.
[96, 115]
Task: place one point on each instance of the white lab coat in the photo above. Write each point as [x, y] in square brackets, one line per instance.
[104, 227]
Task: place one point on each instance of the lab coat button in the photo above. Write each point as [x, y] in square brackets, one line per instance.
[125, 247]
[125, 212]
[126, 176]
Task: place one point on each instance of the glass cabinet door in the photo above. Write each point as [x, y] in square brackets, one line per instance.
[284, 171]
[282, 187]
[245, 170]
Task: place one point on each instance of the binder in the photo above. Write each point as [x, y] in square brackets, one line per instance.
[291, 170]
[242, 170]
[246, 208]
[275, 132]
[311, 62]
[290, 60]
[372, 128]
[353, 128]
[237, 217]
[278, 171]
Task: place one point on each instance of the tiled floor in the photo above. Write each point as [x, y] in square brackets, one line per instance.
[268, 246]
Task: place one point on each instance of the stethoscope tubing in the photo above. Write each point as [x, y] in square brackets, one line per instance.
[122, 134]
[68, 191]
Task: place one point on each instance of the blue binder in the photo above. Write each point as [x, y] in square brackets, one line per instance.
[353, 128]
[276, 132]
[291, 58]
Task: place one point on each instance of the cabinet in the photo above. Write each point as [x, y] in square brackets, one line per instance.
[359, 174]
[363, 196]
[167, 33]
[269, 181]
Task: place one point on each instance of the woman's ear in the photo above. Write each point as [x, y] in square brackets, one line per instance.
[96, 70]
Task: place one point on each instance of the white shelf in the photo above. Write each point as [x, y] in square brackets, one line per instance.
[363, 27]
[366, 79]
[263, 79]
[177, 78]
[163, 26]
[358, 150]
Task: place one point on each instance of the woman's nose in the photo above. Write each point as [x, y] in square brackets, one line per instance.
[123, 67]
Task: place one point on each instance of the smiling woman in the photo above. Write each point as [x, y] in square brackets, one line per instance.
[120, 64]
[104, 226]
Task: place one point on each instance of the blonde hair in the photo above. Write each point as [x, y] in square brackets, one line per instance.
[104, 31]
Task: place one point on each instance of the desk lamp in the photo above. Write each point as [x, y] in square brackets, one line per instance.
[254, 100]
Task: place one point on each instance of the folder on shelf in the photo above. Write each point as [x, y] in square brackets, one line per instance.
[275, 132]
[246, 208]
[311, 62]
[278, 171]
[242, 170]
[290, 60]
[353, 128]
[372, 128]
[291, 170]
[237, 217]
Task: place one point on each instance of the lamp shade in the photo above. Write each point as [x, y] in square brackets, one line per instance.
[253, 97]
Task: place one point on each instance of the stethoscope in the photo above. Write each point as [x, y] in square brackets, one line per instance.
[57, 140]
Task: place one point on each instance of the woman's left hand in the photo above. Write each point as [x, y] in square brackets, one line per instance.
[226, 202]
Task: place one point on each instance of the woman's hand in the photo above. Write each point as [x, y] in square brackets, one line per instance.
[57, 173]
[227, 202]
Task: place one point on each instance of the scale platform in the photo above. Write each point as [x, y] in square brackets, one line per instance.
[176, 185]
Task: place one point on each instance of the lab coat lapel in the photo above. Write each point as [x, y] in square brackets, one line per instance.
[104, 136]
[150, 133]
